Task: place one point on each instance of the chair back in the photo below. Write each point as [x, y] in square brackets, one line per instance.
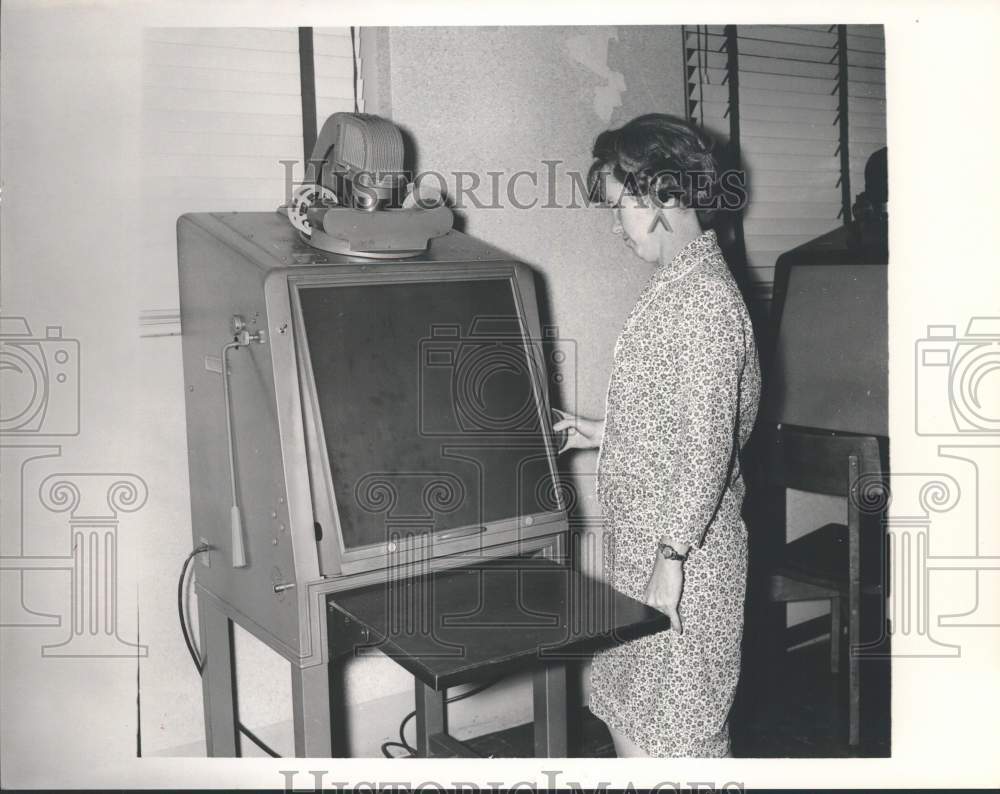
[814, 460]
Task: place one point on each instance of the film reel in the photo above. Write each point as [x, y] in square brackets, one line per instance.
[304, 198]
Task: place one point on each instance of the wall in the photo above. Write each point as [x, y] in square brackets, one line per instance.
[526, 96]
[76, 253]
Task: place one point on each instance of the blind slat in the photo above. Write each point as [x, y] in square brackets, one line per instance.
[262, 39]
[792, 34]
[326, 107]
[814, 165]
[779, 210]
[873, 60]
[179, 99]
[793, 99]
[772, 49]
[856, 104]
[863, 135]
[864, 43]
[763, 129]
[175, 53]
[791, 226]
[760, 180]
[791, 115]
[876, 32]
[212, 166]
[755, 145]
[864, 75]
[332, 65]
[222, 144]
[817, 194]
[203, 79]
[332, 46]
[783, 242]
[805, 85]
[230, 123]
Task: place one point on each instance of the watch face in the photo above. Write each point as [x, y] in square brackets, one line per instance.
[668, 552]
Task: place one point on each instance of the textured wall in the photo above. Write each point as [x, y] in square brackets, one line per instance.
[508, 98]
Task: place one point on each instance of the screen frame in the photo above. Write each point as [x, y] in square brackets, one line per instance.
[334, 557]
[772, 404]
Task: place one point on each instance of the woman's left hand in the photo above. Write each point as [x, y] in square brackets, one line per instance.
[664, 589]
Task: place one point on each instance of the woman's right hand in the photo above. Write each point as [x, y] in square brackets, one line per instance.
[581, 433]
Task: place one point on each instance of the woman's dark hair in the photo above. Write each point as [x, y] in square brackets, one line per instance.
[658, 156]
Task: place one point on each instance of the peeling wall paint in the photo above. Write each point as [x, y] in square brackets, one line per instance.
[591, 50]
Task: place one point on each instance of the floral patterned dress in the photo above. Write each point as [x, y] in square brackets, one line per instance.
[681, 402]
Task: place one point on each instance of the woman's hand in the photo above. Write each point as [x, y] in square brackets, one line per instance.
[663, 592]
[581, 433]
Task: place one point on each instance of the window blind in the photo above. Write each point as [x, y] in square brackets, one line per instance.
[789, 124]
[335, 73]
[221, 110]
[865, 98]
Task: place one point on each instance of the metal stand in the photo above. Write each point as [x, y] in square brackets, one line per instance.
[218, 681]
[550, 711]
[311, 711]
[434, 741]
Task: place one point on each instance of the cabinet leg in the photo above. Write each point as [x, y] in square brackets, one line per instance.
[550, 711]
[431, 718]
[218, 681]
[311, 712]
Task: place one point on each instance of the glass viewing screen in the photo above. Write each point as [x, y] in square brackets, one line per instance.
[428, 405]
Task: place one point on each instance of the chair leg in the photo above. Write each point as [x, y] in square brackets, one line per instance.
[854, 684]
[835, 634]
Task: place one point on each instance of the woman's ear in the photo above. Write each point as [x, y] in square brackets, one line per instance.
[666, 187]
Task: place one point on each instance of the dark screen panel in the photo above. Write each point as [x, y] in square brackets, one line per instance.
[427, 404]
[831, 366]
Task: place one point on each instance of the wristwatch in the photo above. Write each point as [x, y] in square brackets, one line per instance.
[668, 552]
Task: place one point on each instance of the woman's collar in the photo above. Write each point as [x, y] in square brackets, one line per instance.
[691, 253]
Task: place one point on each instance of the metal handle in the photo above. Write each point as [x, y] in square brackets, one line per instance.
[242, 338]
[461, 533]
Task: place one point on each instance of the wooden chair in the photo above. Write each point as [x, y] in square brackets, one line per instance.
[826, 564]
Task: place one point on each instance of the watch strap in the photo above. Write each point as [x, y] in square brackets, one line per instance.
[668, 552]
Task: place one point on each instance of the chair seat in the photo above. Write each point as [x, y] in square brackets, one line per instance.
[792, 588]
[820, 558]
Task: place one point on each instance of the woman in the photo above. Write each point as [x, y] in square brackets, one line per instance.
[681, 402]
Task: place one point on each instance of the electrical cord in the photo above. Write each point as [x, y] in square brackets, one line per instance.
[200, 667]
[402, 726]
[354, 62]
[199, 663]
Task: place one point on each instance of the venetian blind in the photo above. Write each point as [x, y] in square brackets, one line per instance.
[221, 115]
[865, 97]
[332, 50]
[789, 131]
